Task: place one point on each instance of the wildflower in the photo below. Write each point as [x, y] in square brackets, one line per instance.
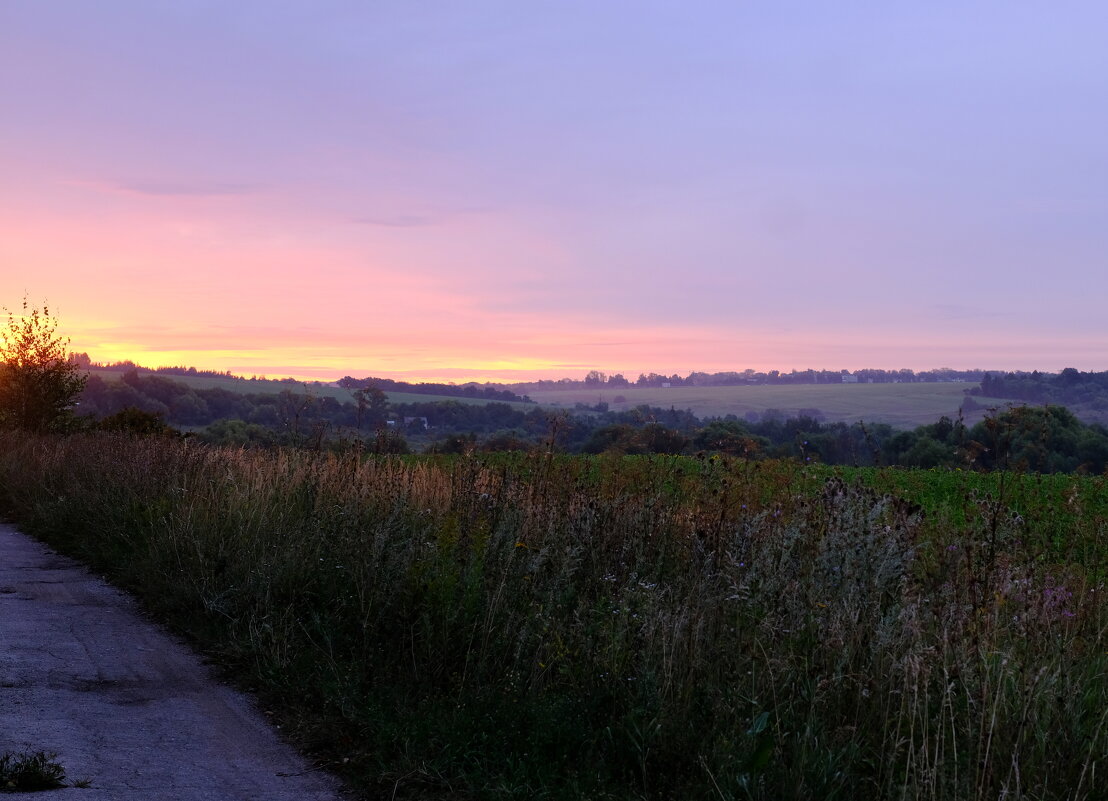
[521, 545]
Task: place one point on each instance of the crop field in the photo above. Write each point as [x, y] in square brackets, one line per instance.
[901, 405]
[560, 627]
[320, 390]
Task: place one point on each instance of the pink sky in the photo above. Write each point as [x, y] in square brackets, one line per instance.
[514, 191]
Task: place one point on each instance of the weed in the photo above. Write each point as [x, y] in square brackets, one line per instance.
[28, 771]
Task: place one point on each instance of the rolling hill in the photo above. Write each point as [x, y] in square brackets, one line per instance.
[901, 405]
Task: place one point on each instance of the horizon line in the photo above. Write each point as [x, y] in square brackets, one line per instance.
[458, 381]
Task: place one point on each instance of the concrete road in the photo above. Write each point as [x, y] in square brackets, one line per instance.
[123, 703]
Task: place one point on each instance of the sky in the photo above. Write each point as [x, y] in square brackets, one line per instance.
[480, 190]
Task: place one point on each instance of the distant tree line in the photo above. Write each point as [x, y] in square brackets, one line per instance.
[182, 405]
[597, 379]
[1045, 439]
[516, 393]
[83, 361]
[1069, 387]
[476, 391]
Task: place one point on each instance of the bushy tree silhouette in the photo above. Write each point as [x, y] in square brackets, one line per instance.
[38, 382]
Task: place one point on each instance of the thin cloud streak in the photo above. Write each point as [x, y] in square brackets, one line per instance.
[187, 188]
[168, 187]
[402, 221]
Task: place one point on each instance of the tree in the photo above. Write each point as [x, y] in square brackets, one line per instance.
[39, 384]
[137, 422]
[372, 406]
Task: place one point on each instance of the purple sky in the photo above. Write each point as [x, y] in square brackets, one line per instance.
[515, 189]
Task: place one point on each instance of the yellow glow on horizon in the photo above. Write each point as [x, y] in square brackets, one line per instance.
[543, 349]
[306, 367]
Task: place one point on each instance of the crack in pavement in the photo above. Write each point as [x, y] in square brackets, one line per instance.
[123, 703]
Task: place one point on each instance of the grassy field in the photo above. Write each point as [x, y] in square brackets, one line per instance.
[320, 390]
[901, 405]
[546, 627]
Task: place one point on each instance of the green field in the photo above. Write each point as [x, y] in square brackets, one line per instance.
[901, 405]
[270, 387]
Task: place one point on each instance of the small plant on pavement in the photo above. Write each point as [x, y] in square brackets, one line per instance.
[28, 771]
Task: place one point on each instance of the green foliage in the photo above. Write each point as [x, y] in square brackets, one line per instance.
[238, 432]
[38, 382]
[138, 422]
[387, 442]
[730, 437]
[1044, 439]
[1068, 386]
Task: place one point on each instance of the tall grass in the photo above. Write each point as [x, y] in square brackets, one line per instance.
[566, 627]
